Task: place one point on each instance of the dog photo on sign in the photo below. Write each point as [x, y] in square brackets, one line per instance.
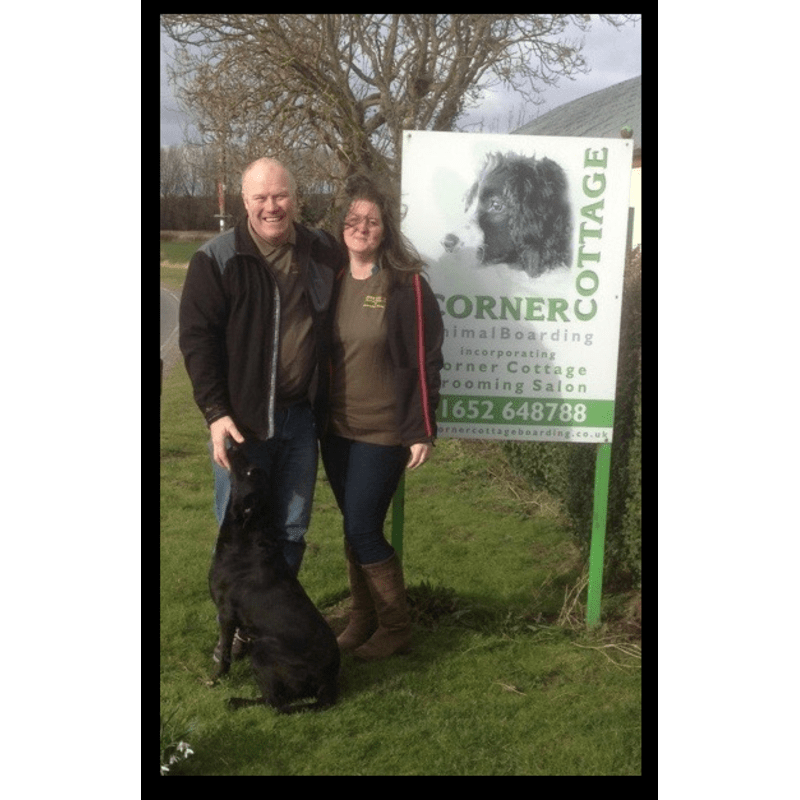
[518, 214]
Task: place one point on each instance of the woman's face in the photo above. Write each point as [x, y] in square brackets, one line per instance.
[363, 229]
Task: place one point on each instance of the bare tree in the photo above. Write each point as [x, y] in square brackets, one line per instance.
[173, 174]
[187, 172]
[350, 84]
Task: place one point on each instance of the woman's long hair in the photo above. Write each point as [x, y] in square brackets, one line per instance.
[395, 252]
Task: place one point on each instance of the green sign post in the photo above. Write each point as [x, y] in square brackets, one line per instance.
[602, 470]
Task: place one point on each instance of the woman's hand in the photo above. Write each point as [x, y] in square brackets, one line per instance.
[420, 453]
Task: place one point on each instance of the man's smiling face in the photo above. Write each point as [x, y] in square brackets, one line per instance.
[269, 199]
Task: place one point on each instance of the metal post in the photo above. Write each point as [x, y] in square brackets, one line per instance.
[602, 470]
[221, 202]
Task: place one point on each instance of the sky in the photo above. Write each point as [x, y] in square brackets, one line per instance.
[613, 56]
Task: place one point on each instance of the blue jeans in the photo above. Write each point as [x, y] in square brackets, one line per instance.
[290, 460]
[364, 478]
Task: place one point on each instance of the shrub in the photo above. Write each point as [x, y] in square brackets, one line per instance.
[567, 470]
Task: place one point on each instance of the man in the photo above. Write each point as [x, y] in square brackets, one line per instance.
[253, 338]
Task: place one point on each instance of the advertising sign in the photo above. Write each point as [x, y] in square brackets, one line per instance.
[524, 239]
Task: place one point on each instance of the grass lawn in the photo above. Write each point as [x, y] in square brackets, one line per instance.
[494, 685]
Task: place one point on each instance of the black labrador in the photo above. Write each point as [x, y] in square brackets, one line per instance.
[292, 649]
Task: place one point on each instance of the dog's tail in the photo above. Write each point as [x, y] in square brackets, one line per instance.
[300, 707]
[297, 707]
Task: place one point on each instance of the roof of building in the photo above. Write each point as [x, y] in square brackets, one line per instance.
[604, 113]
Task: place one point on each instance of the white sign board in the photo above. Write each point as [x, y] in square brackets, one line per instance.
[524, 239]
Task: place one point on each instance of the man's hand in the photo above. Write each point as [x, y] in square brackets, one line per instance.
[220, 430]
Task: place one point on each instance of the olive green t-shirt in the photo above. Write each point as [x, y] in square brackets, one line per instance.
[296, 360]
[362, 391]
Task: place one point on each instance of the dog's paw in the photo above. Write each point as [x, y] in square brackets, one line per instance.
[221, 669]
[219, 672]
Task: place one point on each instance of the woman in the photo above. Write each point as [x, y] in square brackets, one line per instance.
[387, 337]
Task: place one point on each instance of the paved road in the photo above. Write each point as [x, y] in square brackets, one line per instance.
[169, 328]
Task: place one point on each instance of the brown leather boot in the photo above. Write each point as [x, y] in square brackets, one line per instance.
[363, 619]
[385, 582]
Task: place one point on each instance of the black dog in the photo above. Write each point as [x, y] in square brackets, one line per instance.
[523, 216]
[292, 649]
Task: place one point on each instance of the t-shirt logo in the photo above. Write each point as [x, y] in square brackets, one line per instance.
[373, 301]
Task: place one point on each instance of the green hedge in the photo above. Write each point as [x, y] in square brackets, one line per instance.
[567, 470]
